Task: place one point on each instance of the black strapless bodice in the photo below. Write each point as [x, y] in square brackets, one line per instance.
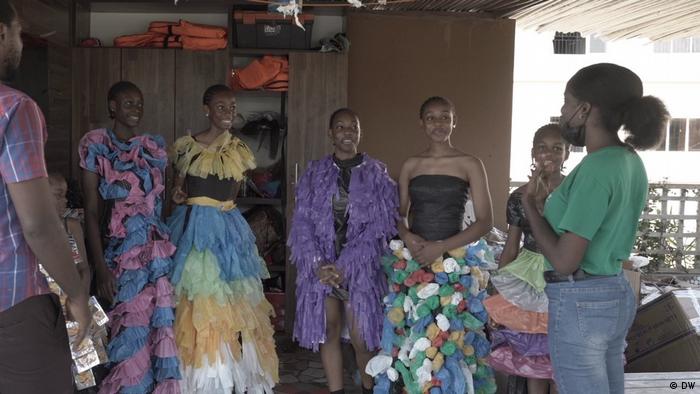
[438, 204]
[211, 186]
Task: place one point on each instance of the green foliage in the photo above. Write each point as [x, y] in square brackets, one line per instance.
[665, 253]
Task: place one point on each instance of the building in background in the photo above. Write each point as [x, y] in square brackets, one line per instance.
[670, 70]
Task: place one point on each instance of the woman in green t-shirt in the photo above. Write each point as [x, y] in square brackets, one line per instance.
[589, 225]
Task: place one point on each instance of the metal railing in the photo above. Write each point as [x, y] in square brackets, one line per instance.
[669, 230]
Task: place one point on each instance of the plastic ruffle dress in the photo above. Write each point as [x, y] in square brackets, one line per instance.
[223, 324]
[433, 339]
[372, 218]
[520, 308]
[142, 352]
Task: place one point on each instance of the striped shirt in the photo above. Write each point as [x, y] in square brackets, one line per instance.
[22, 139]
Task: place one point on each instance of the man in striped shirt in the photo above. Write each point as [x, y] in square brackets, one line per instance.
[34, 353]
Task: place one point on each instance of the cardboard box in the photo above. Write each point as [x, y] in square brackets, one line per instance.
[681, 355]
[666, 330]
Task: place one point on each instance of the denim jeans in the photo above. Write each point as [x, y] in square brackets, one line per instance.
[588, 323]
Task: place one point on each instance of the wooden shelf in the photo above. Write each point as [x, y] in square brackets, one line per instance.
[258, 201]
[200, 6]
[254, 52]
[259, 93]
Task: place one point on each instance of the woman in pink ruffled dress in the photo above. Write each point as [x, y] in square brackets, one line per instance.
[129, 245]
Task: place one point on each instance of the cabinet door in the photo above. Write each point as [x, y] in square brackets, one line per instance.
[40, 17]
[153, 72]
[58, 113]
[317, 87]
[94, 71]
[195, 71]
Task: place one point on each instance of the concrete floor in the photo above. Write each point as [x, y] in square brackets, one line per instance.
[301, 371]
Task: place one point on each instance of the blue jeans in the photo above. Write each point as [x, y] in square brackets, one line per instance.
[588, 323]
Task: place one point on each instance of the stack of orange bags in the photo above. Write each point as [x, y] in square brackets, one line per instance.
[182, 34]
[269, 73]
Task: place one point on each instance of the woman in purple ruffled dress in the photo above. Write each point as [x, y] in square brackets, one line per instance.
[345, 213]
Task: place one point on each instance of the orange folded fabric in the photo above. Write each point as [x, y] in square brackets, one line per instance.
[277, 60]
[180, 34]
[166, 42]
[148, 40]
[268, 73]
[135, 40]
[258, 73]
[162, 27]
[203, 44]
[185, 28]
[279, 83]
[277, 88]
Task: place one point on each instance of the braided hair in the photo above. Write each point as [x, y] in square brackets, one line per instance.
[213, 91]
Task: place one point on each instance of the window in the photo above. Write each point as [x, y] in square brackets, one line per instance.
[694, 135]
[682, 134]
[662, 46]
[676, 134]
[596, 45]
[679, 45]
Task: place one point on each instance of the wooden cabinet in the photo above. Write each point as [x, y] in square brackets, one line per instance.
[45, 72]
[317, 87]
[58, 110]
[44, 75]
[172, 82]
[94, 71]
[194, 73]
[153, 71]
[48, 18]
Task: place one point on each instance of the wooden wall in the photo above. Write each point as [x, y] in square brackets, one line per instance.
[51, 67]
[172, 82]
[58, 113]
[317, 86]
[94, 71]
[397, 61]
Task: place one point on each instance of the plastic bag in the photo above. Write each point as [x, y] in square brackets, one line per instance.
[510, 316]
[520, 293]
[523, 343]
[506, 360]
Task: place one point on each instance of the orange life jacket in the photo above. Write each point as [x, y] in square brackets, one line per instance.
[145, 40]
[203, 44]
[269, 70]
[185, 28]
[180, 34]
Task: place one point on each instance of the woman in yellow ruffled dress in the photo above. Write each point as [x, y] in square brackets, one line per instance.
[222, 322]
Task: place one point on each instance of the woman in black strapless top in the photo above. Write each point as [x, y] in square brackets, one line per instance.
[436, 338]
[434, 188]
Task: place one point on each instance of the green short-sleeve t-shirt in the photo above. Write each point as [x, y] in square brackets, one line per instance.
[601, 200]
